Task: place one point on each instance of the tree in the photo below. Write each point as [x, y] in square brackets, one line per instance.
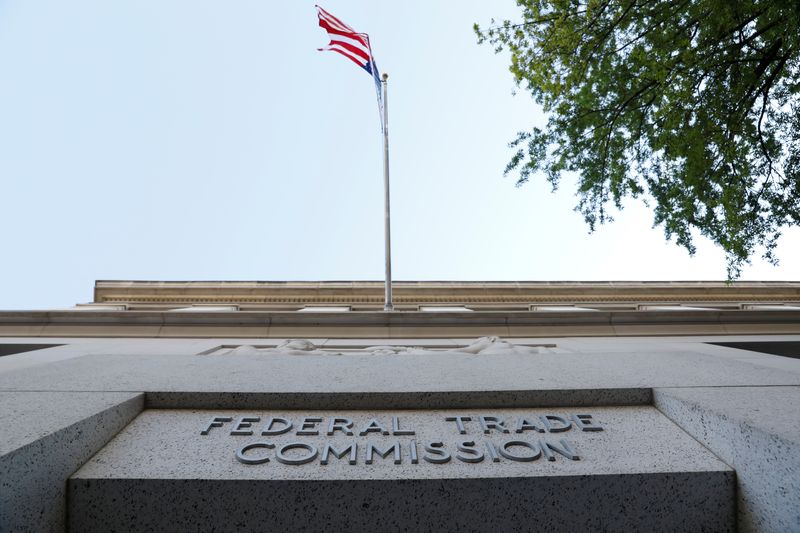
[691, 105]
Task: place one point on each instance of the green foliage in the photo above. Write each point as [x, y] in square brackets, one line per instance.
[691, 105]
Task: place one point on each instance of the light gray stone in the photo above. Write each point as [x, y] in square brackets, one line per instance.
[641, 472]
[757, 431]
[566, 503]
[482, 346]
[579, 372]
[45, 437]
[361, 373]
[398, 400]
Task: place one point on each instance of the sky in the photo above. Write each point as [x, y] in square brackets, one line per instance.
[208, 140]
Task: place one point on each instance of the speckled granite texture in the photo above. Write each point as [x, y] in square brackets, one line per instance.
[738, 403]
[756, 430]
[167, 443]
[399, 399]
[640, 472]
[671, 502]
[393, 373]
[45, 437]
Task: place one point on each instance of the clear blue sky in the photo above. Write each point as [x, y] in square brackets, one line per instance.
[200, 139]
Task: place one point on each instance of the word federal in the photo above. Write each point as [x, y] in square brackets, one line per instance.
[312, 425]
[418, 446]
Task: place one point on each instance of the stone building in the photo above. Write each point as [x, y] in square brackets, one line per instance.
[485, 406]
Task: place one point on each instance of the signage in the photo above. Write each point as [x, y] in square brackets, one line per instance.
[292, 440]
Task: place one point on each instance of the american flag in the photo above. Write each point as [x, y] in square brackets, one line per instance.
[354, 46]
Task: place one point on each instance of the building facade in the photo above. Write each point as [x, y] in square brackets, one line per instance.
[483, 406]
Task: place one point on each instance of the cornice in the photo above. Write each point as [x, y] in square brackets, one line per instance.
[464, 293]
[245, 324]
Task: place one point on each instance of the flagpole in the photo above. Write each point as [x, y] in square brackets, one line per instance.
[387, 304]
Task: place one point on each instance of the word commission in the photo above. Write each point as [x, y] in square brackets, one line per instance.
[431, 451]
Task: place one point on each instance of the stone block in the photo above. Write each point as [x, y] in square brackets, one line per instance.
[359, 373]
[611, 468]
[45, 437]
[756, 430]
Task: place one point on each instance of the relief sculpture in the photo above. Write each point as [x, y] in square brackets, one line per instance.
[481, 346]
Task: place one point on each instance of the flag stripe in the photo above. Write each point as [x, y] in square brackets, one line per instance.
[354, 46]
[350, 34]
[364, 55]
[357, 60]
[325, 18]
[349, 39]
[333, 20]
[338, 48]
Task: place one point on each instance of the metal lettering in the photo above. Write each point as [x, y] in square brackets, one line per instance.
[216, 422]
[547, 419]
[243, 424]
[240, 453]
[396, 428]
[309, 426]
[475, 455]
[523, 458]
[303, 459]
[373, 426]
[329, 449]
[345, 425]
[565, 450]
[414, 458]
[459, 420]
[488, 423]
[523, 424]
[383, 453]
[439, 456]
[280, 431]
[492, 452]
[585, 423]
